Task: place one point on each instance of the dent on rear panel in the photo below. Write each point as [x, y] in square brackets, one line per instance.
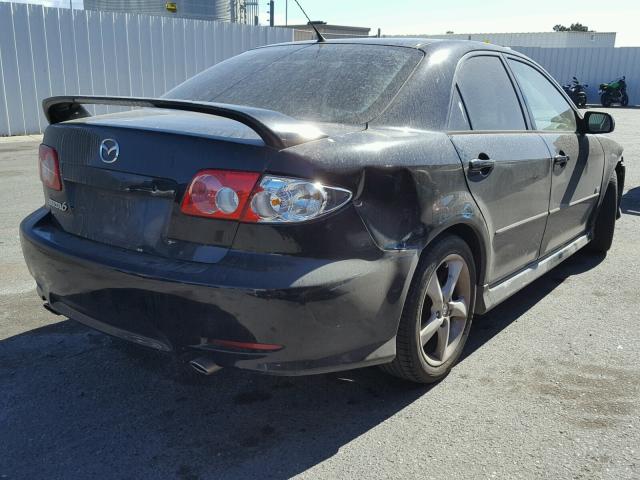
[407, 184]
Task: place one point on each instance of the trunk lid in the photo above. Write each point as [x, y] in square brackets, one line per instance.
[133, 201]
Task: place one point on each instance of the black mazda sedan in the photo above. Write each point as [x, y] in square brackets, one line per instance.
[319, 206]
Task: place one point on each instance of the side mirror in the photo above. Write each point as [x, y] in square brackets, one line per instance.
[598, 122]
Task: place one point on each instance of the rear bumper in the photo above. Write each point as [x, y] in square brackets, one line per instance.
[327, 315]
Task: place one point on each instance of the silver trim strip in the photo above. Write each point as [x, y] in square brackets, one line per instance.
[522, 222]
[575, 202]
[492, 296]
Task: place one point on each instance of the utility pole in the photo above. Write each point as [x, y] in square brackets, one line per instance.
[286, 13]
[271, 13]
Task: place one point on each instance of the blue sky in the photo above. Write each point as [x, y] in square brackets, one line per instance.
[468, 16]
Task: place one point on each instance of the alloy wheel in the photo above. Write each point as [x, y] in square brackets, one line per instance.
[445, 310]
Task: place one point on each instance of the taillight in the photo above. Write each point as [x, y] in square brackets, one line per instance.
[49, 167]
[219, 194]
[238, 196]
[290, 200]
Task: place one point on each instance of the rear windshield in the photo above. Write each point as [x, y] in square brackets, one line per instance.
[320, 82]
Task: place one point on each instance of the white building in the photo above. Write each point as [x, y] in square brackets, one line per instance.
[539, 39]
[306, 32]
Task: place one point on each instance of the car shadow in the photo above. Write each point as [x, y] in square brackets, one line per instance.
[78, 404]
[485, 327]
[630, 204]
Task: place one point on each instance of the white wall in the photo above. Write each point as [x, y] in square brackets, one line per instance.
[592, 66]
[539, 39]
[50, 51]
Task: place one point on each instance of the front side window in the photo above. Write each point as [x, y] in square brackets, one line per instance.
[548, 107]
[489, 96]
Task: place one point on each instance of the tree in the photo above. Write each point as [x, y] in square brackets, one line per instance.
[578, 27]
[575, 27]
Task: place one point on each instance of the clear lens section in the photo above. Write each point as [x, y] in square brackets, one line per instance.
[48, 170]
[281, 199]
[227, 200]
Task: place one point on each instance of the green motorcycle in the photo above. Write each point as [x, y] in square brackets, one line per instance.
[614, 92]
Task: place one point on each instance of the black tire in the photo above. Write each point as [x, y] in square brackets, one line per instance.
[624, 101]
[411, 362]
[582, 101]
[605, 100]
[605, 223]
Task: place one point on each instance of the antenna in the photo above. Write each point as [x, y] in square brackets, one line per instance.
[319, 35]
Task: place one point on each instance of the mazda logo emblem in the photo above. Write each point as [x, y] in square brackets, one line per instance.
[109, 150]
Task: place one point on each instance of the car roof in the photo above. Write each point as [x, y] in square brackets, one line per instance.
[424, 44]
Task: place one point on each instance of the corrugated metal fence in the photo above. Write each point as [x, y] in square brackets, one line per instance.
[592, 66]
[50, 51]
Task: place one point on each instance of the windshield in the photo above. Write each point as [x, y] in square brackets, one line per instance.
[338, 83]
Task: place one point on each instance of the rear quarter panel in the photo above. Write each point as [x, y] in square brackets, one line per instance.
[408, 185]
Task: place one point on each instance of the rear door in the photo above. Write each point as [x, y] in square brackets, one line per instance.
[578, 160]
[508, 167]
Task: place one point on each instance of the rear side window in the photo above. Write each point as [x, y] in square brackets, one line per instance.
[321, 82]
[458, 117]
[549, 108]
[488, 95]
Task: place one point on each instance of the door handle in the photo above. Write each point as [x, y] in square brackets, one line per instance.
[481, 165]
[561, 159]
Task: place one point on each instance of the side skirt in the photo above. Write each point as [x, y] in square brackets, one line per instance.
[493, 295]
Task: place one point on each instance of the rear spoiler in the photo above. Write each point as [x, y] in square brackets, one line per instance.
[276, 129]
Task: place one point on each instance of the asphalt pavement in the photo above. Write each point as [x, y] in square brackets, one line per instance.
[549, 386]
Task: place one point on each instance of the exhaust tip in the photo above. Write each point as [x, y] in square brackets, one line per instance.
[204, 365]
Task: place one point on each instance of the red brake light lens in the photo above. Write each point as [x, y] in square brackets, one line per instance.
[219, 194]
[49, 167]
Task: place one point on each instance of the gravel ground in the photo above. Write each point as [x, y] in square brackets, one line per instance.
[549, 387]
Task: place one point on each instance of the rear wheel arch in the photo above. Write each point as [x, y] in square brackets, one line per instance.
[409, 362]
[473, 238]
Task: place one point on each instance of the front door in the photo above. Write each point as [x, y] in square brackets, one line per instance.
[578, 160]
